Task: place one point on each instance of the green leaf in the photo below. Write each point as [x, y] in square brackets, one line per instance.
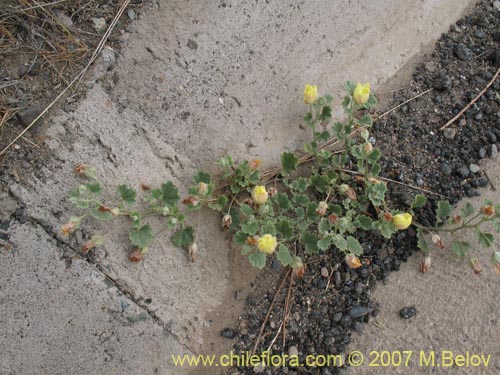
[340, 242]
[183, 238]
[310, 242]
[240, 238]
[288, 162]
[284, 229]
[221, 203]
[142, 236]
[311, 213]
[485, 239]
[301, 199]
[419, 201]
[349, 87]
[353, 246]
[94, 187]
[301, 214]
[321, 183]
[169, 194]
[326, 113]
[366, 120]
[443, 211]
[299, 184]
[202, 177]
[246, 249]
[460, 248]
[284, 256]
[324, 226]
[127, 194]
[496, 225]
[363, 222]
[422, 243]
[282, 201]
[375, 155]
[269, 228]
[101, 215]
[246, 209]
[250, 227]
[386, 228]
[324, 244]
[258, 260]
[91, 173]
[467, 209]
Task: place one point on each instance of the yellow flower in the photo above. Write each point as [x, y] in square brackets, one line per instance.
[267, 244]
[402, 221]
[310, 94]
[259, 194]
[361, 93]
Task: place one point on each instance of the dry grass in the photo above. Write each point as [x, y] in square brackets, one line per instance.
[40, 51]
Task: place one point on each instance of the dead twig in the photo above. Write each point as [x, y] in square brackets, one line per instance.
[402, 104]
[398, 183]
[471, 102]
[287, 305]
[269, 312]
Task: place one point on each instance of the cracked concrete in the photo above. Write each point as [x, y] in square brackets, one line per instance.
[194, 80]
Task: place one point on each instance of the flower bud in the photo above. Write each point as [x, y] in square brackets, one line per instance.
[352, 261]
[252, 240]
[476, 266]
[254, 164]
[322, 208]
[402, 221]
[202, 188]
[135, 256]
[332, 218]
[426, 264]
[457, 219]
[272, 191]
[267, 243]
[193, 250]
[388, 216]
[227, 220]
[310, 94]
[436, 240]
[361, 93]
[190, 201]
[368, 148]
[348, 191]
[259, 194]
[488, 210]
[70, 226]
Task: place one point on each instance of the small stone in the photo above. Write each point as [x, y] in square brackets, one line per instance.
[108, 57]
[462, 122]
[28, 114]
[419, 181]
[474, 168]
[449, 133]
[131, 14]
[251, 300]
[496, 4]
[337, 317]
[322, 283]
[359, 311]
[408, 312]
[338, 278]
[480, 34]
[478, 116]
[445, 168]
[238, 294]
[192, 44]
[65, 19]
[482, 153]
[99, 24]
[442, 83]
[292, 350]
[430, 66]
[494, 151]
[296, 316]
[324, 272]
[276, 265]
[228, 333]
[463, 171]
[346, 321]
[463, 53]
[358, 326]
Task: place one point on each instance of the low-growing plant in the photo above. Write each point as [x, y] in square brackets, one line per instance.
[315, 202]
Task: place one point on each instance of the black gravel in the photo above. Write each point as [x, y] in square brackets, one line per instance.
[324, 311]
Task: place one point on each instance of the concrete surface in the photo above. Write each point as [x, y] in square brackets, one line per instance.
[165, 109]
[456, 310]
